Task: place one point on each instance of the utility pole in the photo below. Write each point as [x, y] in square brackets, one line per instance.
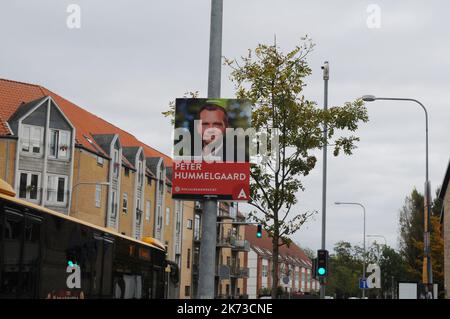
[207, 258]
[326, 76]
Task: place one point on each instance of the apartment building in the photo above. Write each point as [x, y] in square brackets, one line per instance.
[231, 248]
[58, 155]
[294, 270]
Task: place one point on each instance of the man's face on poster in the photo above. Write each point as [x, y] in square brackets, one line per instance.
[213, 124]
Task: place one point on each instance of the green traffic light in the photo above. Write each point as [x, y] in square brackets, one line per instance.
[259, 235]
[321, 271]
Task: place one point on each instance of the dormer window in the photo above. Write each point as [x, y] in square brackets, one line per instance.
[32, 138]
[59, 144]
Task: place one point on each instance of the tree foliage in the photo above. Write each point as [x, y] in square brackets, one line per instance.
[274, 81]
[346, 265]
[411, 221]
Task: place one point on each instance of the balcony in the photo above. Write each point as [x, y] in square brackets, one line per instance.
[223, 214]
[240, 244]
[224, 241]
[195, 270]
[223, 272]
[239, 272]
[197, 237]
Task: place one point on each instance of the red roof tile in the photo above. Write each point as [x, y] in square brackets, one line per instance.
[266, 242]
[13, 93]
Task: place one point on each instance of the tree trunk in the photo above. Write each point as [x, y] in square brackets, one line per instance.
[275, 249]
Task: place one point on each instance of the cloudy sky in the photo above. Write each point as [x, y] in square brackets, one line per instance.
[130, 58]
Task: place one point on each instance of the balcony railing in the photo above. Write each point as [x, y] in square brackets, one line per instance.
[239, 272]
[195, 269]
[240, 244]
[224, 241]
[224, 214]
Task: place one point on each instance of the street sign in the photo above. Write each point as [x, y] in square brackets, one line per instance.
[363, 283]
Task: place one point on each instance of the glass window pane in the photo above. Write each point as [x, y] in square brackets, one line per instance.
[98, 195]
[53, 142]
[23, 185]
[34, 186]
[36, 139]
[125, 203]
[63, 144]
[25, 138]
[51, 189]
[147, 210]
[13, 229]
[61, 189]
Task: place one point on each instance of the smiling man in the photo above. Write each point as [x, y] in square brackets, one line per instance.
[212, 125]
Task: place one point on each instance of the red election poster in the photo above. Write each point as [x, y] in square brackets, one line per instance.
[211, 149]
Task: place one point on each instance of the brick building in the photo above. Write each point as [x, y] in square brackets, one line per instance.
[294, 267]
[58, 155]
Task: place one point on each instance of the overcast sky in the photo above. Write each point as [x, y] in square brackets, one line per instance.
[130, 58]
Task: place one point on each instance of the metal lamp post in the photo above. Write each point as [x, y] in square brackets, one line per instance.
[364, 238]
[427, 276]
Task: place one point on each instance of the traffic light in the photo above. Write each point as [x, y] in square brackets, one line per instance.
[259, 231]
[322, 263]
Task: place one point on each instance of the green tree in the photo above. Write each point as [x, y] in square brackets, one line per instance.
[274, 82]
[411, 238]
[345, 270]
[393, 269]
[411, 234]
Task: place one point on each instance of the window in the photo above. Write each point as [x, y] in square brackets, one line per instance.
[32, 139]
[167, 216]
[149, 180]
[187, 291]
[59, 144]
[189, 224]
[188, 259]
[140, 177]
[113, 204]
[138, 211]
[100, 161]
[116, 163]
[264, 270]
[125, 203]
[228, 261]
[28, 186]
[147, 210]
[98, 195]
[56, 189]
[127, 171]
[197, 227]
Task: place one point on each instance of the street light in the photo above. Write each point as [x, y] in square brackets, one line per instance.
[85, 183]
[427, 276]
[364, 238]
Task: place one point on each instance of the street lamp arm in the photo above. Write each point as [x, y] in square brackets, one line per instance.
[364, 236]
[427, 258]
[405, 99]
